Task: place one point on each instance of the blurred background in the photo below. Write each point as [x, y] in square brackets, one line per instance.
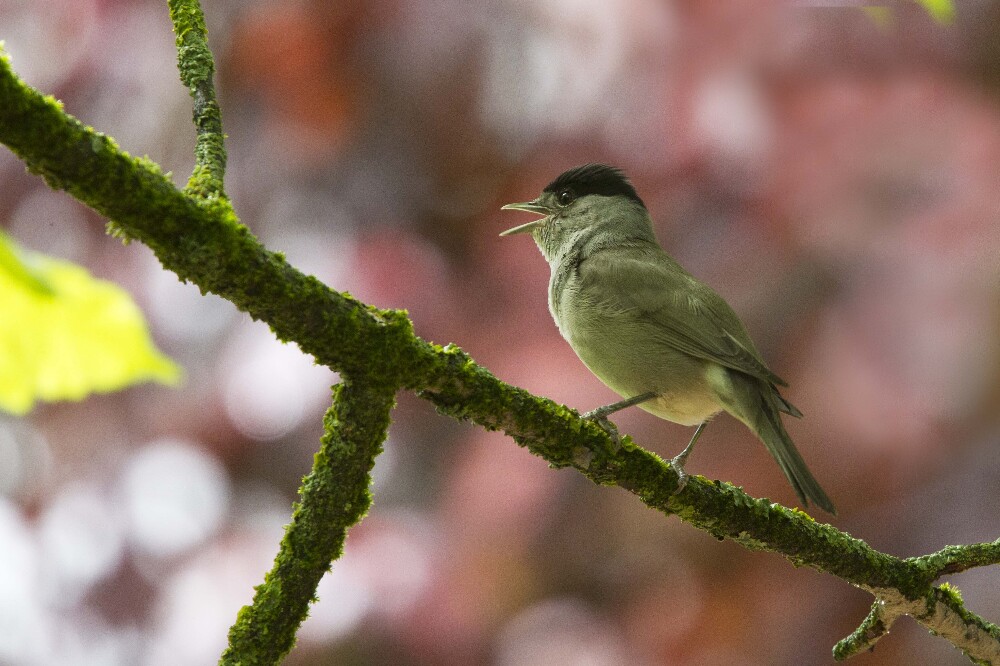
[833, 173]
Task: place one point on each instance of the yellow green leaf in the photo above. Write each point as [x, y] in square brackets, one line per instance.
[943, 11]
[65, 334]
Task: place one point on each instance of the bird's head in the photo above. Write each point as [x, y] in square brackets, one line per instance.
[585, 201]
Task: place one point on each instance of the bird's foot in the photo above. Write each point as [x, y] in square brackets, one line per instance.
[677, 464]
[599, 418]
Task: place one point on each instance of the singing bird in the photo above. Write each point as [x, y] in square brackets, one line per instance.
[652, 332]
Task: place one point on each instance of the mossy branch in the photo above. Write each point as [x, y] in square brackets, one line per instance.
[204, 243]
[197, 69]
[941, 610]
[872, 628]
[334, 496]
[955, 559]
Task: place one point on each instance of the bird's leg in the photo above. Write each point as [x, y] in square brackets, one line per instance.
[677, 462]
[600, 415]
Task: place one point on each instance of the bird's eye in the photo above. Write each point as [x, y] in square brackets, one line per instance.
[565, 197]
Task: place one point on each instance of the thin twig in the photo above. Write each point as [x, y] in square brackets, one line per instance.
[197, 69]
[955, 559]
[874, 627]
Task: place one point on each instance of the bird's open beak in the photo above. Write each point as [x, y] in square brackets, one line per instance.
[531, 207]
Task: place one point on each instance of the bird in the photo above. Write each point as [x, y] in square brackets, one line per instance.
[653, 333]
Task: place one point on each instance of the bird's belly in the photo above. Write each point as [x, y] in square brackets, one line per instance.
[631, 359]
[687, 409]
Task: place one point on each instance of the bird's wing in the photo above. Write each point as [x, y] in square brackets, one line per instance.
[688, 314]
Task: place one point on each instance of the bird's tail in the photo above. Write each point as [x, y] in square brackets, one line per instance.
[765, 420]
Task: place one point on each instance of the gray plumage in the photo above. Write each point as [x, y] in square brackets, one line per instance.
[643, 324]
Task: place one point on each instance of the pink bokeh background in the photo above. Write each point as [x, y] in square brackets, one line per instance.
[833, 175]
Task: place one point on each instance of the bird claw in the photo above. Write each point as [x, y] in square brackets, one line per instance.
[677, 464]
[598, 418]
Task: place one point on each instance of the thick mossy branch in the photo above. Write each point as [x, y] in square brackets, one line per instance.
[203, 242]
[467, 391]
[334, 496]
[197, 69]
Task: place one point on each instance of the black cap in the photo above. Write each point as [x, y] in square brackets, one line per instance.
[595, 179]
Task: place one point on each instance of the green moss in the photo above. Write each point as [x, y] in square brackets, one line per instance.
[197, 68]
[952, 593]
[334, 496]
[864, 637]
